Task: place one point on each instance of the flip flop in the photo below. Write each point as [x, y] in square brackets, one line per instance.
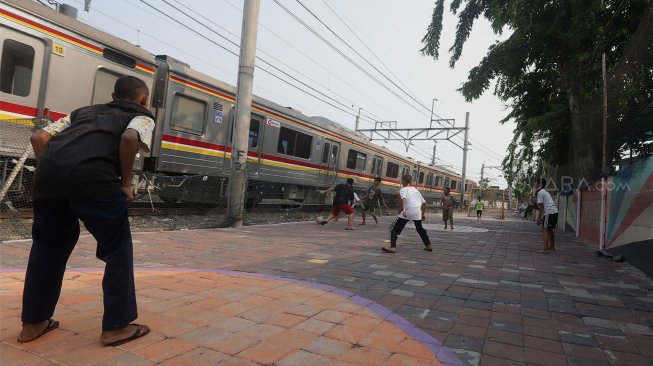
[386, 250]
[428, 249]
[52, 325]
[349, 228]
[541, 252]
[141, 330]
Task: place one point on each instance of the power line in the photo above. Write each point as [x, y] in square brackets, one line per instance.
[361, 56]
[333, 47]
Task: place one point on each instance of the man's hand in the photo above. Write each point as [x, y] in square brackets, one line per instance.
[423, 217]
[129, 192]
[404, 213]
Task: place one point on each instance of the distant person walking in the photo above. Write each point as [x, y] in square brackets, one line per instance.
[479, 208]
[344, 195]
[547, 216]
[413, 208]
[448, 203]
[84, 172]
[373, 198]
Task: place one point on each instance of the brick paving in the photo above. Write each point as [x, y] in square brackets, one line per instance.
[305, 294]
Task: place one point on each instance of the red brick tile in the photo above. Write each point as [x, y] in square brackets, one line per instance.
[232, 344]
[411, 347]
[347, 333]
[627, 359]
[365, 356]
[543, 344]
[10, 355]
[468, 330]
[164, 350]
[88, 355]
[402, 360]
[126, 359]
[592, 353]
[315, 326]
[500, 336]
[266, 352]
[328, 347]
[544, 358]
[198, 356]
[487, 360]
[503, 351]
[303, 358]
[285, 320]
[332, 316]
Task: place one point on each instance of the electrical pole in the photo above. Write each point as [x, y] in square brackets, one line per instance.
[464, 173]
[482, 169]
[435, 145]
[604, 158]
[238, 181]
[358, 117]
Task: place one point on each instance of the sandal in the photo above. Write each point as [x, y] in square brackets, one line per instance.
[141, 330]
[52, 325]
[389, 250]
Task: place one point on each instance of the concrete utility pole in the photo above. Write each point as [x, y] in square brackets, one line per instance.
[462, 191]
[238, 181]
[435, 146]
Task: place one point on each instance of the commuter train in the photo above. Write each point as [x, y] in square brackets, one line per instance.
[52, 64]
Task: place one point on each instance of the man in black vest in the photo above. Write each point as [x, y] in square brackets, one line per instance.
[84, 172]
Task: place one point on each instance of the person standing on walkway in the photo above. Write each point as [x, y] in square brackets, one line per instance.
[84, 172]
[447, 203]
[373, 198]
[413, 208]
[547, 216]
[344, 195]
[479, 208]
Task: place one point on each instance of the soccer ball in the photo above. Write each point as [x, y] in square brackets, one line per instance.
[319, 219]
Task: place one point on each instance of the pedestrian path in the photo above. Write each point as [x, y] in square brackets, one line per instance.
[306, 294]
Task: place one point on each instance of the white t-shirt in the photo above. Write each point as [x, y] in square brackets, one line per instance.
[414, 202]
[549, 206]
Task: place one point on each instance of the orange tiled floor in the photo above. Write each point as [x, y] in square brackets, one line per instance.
[202, 318]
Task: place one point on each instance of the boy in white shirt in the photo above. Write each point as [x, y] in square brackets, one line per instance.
[413, 208]
[546, 207]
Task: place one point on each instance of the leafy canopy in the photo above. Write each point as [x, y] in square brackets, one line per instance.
[545, 70]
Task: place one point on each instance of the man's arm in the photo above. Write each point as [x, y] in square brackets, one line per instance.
[39, 140]
[403, 207]
[423, 210]
[327, 190]
[128, 149]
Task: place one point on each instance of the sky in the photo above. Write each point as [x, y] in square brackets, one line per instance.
[389, 37]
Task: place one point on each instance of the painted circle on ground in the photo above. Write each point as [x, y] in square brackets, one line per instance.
[200, 317]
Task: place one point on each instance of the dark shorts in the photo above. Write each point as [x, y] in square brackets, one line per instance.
[550, 221]
[335, 209]
[370, 207]
[479, 212]
[447, 214]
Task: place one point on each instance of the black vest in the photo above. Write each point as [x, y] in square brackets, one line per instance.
[83, 160]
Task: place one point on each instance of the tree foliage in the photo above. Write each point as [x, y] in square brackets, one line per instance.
[545, 70]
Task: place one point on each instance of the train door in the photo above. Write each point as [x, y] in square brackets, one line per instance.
[329, 163]
[23, 64]
[254, 144]
[377, 166]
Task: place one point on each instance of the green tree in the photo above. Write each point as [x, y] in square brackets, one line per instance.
[545, 71]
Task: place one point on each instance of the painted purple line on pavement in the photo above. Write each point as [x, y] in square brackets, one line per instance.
[444, 355]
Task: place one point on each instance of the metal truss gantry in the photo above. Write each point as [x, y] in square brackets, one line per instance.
[438, 129]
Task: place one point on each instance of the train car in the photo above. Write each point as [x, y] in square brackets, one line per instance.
[56, 64]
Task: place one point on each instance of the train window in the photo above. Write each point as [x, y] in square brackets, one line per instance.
[405, 171]
[429, 179]
[334, 154]
[377, 166]
[392, 170]
[105, 80]
[356, 160]
[454, 184]
[253, 133]
[446, 182]
[421, 178]
[325, 152]
[294, 143]
[188, 114]
[16, 68]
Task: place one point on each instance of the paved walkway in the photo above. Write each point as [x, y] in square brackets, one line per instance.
[305, 294]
